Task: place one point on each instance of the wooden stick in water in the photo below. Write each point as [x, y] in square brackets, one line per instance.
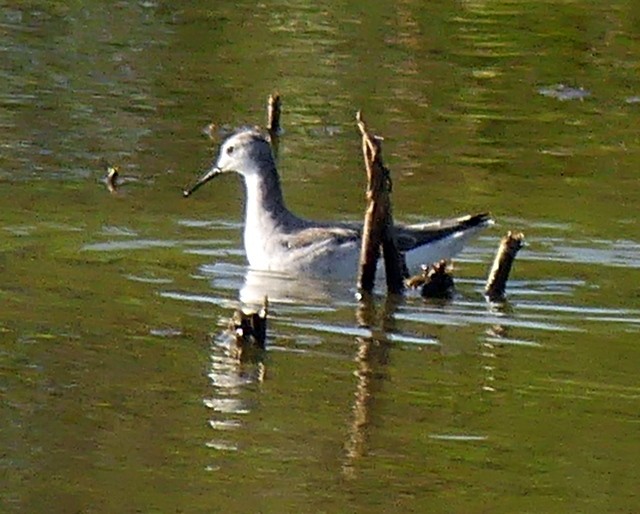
[496, 285]
[274, 109]
[378, 228]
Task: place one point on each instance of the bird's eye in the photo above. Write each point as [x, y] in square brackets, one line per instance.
[230, 150]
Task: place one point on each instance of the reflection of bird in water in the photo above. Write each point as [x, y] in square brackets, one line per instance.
[283, 288]
[229, 378]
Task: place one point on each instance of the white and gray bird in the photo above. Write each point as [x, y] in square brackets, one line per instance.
[277, 240]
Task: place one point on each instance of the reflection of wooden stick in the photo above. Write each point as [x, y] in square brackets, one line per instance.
[499, 274]
[274, 110]
[378, 220]
[372, 359]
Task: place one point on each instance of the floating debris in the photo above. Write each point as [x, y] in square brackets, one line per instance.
[563, 92]
[249, 331]
[435, 281]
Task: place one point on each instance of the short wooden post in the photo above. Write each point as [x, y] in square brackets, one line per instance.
[509, 247]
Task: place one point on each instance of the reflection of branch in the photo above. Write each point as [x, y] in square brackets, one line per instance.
[367, 315]
[372, 358]
[496, 332]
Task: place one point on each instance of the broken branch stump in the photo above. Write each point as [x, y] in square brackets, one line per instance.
[378, 228]
[509, 247]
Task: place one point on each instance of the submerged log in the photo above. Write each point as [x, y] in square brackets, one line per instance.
[249, 330]
[496, 285]
[378, 231]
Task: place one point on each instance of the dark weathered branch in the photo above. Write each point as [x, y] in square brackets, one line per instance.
[499, 274]
[274, 110]
[378, 228]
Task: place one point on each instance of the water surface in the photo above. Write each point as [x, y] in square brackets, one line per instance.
[118, 392]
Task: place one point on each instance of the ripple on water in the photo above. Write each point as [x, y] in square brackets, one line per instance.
[165, 332]
[221, 445]
[198, 298]
[564, 93]
[131, 244]
[622, 253]
[458, 437]
[227, 424]
[111, 230]
[226, 405]
[149, 279]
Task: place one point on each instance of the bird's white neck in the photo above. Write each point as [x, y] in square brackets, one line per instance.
[265, 216]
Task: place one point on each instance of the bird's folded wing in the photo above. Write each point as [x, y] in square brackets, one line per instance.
[322, 235]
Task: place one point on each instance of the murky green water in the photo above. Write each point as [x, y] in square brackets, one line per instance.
[117, 392]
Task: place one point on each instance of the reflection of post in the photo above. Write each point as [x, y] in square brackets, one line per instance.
[495, 293]
[372, 358]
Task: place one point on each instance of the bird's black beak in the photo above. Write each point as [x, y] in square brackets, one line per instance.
[212, 173]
